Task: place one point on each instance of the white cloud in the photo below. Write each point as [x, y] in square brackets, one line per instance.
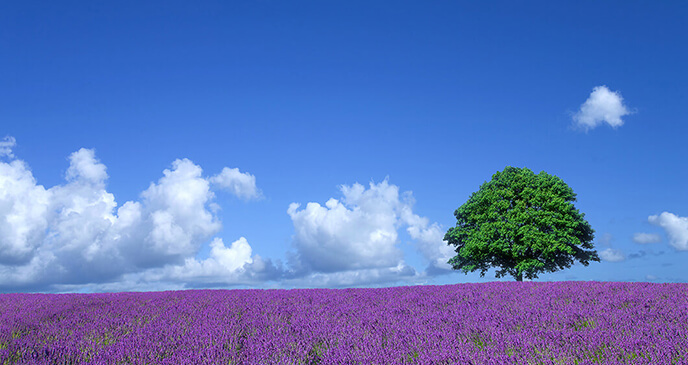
[75, 233]
[222, 261]
[612, 255]
[355, 240]
[609, 254]
[358, 235]
[429, 239]
[675, 227]
[6, 145]
[84, 166]
[645, 238]
[81, 211]
[177, 205]
[225, 265]
[59, 232]
[243, 185]
[23, 213]
[603, 106]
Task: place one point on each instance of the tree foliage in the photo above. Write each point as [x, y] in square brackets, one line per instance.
[524, 224]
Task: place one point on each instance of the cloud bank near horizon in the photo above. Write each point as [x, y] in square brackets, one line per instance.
[75, 235]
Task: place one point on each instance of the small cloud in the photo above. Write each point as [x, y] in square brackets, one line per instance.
[675, 227]
[6, 145]
[603, 105]
[645, 238]
[243, 185]
[83, 165]
[612, 255]
[651, 277]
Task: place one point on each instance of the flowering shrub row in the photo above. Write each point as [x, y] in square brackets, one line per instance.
[491, 323]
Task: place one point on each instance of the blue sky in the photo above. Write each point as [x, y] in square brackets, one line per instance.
[171, 145]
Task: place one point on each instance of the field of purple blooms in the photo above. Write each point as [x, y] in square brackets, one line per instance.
[491, 323]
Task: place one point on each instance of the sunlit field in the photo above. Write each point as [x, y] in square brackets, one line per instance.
[491, 323]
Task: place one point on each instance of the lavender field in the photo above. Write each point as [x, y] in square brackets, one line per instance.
[491, 323]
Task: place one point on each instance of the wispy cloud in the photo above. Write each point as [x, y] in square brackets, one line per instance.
[675, 227]
[6, 145]
[645, 238]
[602, 106]
[612, 255]
[643, 253]
[609, 254]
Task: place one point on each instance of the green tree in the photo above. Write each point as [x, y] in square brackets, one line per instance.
[522, 223]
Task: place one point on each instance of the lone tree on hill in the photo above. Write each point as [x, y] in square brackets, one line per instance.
[523, 223]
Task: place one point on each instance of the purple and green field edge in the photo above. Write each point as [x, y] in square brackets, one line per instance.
[489, 323]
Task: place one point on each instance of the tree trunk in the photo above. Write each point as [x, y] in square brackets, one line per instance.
[519, 277]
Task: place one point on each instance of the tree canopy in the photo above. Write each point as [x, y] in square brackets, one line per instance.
[522, 223]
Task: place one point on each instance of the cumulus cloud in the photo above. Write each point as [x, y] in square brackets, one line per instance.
[429, 239]
[675, 227]
[358, 233]
[75, 233]
[23, 213]
[6, 145]
[57, 233]
[612, 255]
[645, 238]
[356, 238]
[243, 185]
[602, 106]
[84, 166]
[222, 261]
[177, 209]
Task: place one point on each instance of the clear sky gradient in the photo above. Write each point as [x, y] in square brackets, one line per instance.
[168, 144]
